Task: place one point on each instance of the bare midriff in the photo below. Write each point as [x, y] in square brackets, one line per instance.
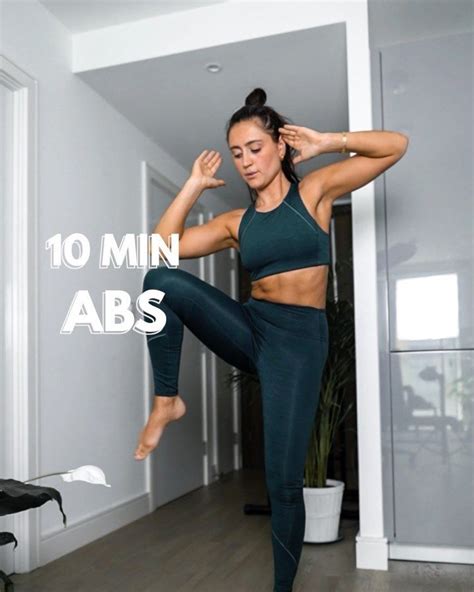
[306, 287]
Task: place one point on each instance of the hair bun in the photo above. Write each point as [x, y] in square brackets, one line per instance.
[256, 98]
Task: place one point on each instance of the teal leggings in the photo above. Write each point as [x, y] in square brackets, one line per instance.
[286, 346]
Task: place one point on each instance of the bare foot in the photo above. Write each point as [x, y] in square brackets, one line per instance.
[165, 409]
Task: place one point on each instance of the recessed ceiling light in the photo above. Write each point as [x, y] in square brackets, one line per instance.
[213, 68]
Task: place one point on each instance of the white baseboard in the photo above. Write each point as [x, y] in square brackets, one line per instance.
[371, 553]
[431, 553]
[65, 540]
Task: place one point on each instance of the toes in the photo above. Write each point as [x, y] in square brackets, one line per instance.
[142, 450]
[140, 454]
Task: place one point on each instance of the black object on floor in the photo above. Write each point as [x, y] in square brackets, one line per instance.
[258, 508]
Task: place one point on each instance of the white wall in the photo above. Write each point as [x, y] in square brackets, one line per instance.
[90, 387]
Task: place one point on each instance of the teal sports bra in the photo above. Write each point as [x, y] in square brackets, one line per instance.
[282, 239]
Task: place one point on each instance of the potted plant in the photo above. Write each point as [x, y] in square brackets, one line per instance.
[323, 496]
[17, 496]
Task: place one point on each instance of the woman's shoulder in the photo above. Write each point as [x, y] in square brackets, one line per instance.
[232, 219]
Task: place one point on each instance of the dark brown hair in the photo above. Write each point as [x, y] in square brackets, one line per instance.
[270, 120]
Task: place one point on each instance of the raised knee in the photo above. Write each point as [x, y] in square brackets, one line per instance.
[160, 278]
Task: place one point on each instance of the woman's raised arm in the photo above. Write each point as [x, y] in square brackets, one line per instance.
[197, 240]
[174, 217]
[210, 237]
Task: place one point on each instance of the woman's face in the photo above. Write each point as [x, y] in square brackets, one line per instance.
[254, 151]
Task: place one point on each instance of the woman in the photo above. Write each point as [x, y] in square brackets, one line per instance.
[281, 332]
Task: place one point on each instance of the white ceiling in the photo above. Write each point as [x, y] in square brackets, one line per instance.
[85, 15]
[183, 108]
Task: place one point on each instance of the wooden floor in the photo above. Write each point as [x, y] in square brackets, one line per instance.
[203, 542]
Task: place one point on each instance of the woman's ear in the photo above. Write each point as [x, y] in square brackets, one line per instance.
[281, 147]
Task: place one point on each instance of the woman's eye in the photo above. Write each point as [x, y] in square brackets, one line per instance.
[253, 152]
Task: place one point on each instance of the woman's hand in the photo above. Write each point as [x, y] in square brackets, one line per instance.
[308, 142]
[204, 169]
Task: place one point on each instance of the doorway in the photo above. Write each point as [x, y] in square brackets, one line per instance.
[204, 443]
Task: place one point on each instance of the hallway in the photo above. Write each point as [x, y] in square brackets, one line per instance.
[202, 542]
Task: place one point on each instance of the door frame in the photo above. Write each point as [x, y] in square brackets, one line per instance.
[236, 387]
[212, 451]
[20, 314]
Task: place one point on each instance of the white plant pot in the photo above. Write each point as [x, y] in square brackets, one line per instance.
[323, 511]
